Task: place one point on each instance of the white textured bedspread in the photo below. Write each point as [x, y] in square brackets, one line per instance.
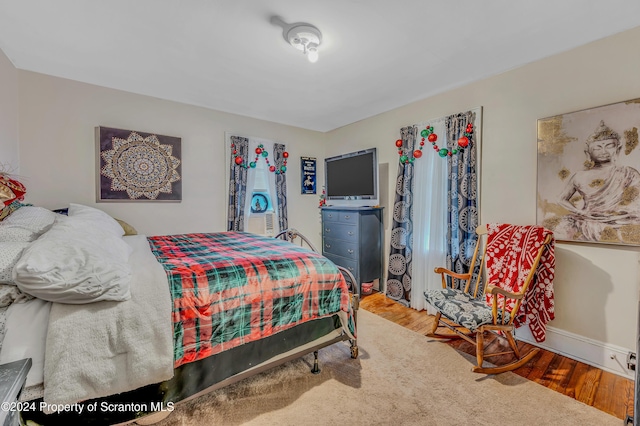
[103, 348]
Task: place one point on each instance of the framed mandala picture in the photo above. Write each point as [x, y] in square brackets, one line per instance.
[137, 166]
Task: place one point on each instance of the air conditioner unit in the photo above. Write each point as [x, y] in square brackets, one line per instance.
[262, 223]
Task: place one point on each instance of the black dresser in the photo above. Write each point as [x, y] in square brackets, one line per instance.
[352, 237]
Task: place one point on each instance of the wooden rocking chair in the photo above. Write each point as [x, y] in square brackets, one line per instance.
[469, 316]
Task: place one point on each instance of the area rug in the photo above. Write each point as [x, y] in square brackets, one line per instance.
[400, 378]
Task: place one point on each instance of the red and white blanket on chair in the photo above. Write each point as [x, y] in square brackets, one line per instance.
[511, 252]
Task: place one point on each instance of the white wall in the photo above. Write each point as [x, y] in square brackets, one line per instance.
[596, 286]
[58, 162]
[9, 154]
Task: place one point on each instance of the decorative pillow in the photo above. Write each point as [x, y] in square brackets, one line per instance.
[10, 190]
[26, 224]
[128, 229]
[74, 263]
[94, 218]
[9, 254]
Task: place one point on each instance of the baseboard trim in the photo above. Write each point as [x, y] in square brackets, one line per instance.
[605, 356]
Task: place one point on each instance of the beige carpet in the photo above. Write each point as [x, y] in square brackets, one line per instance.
[400, 378]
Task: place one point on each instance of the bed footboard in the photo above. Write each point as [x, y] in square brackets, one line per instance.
[294, 236]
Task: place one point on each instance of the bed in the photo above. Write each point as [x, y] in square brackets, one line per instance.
[132, 325]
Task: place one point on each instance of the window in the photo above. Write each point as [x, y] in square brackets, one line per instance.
[261, 200]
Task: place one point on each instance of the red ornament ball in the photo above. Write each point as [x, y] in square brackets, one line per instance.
[463, 142]
[399, 143]
[238, 160]
[258, 150]
[285, 154]
[432, 137]
[417, 153]
[272, 168]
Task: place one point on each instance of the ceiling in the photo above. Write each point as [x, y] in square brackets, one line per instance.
[226, 55]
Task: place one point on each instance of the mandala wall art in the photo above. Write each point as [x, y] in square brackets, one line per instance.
[137, 166]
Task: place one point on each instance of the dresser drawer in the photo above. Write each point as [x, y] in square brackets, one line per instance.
[330, 216]
[351, 265]
[341, 216]
[340, 248]
[341, 231]
[348, 217]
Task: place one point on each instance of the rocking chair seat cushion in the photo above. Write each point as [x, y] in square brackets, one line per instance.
[460, 307]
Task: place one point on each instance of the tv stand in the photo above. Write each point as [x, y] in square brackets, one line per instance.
[352, 237]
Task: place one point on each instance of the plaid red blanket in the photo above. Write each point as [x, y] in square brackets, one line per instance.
[511, 251]
[231, 288]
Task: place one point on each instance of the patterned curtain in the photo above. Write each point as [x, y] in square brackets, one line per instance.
[399, 273]
[462, 197]
[281, 187]
[237, 184]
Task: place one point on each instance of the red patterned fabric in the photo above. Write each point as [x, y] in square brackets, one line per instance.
[10, 190]
[511, 251]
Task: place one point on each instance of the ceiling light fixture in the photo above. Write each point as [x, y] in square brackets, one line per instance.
[304, 37]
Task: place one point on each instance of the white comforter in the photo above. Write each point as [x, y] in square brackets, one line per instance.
[99, 349]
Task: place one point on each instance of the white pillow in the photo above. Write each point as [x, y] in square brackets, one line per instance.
[75, 264]
[16, 234]
[94, 218]
[9, 254]
[26, 224]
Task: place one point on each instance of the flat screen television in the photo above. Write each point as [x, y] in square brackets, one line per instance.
[352, 179]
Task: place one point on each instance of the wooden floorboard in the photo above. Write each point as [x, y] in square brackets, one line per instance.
[605, 391]
[606, 394]
[576, 381]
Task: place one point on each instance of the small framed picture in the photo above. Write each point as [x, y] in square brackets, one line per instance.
[308, 174]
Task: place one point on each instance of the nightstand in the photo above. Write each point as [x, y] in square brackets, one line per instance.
[12, 378]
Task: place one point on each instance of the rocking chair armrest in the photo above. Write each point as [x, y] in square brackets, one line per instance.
[440, 270]
[492, 289]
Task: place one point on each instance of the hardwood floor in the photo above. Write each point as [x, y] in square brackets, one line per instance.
[605, 391]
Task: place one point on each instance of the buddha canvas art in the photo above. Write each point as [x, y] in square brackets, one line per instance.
[588, 179]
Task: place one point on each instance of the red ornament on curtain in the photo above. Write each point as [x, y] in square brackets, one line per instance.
[261, 152]
[428, 134]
